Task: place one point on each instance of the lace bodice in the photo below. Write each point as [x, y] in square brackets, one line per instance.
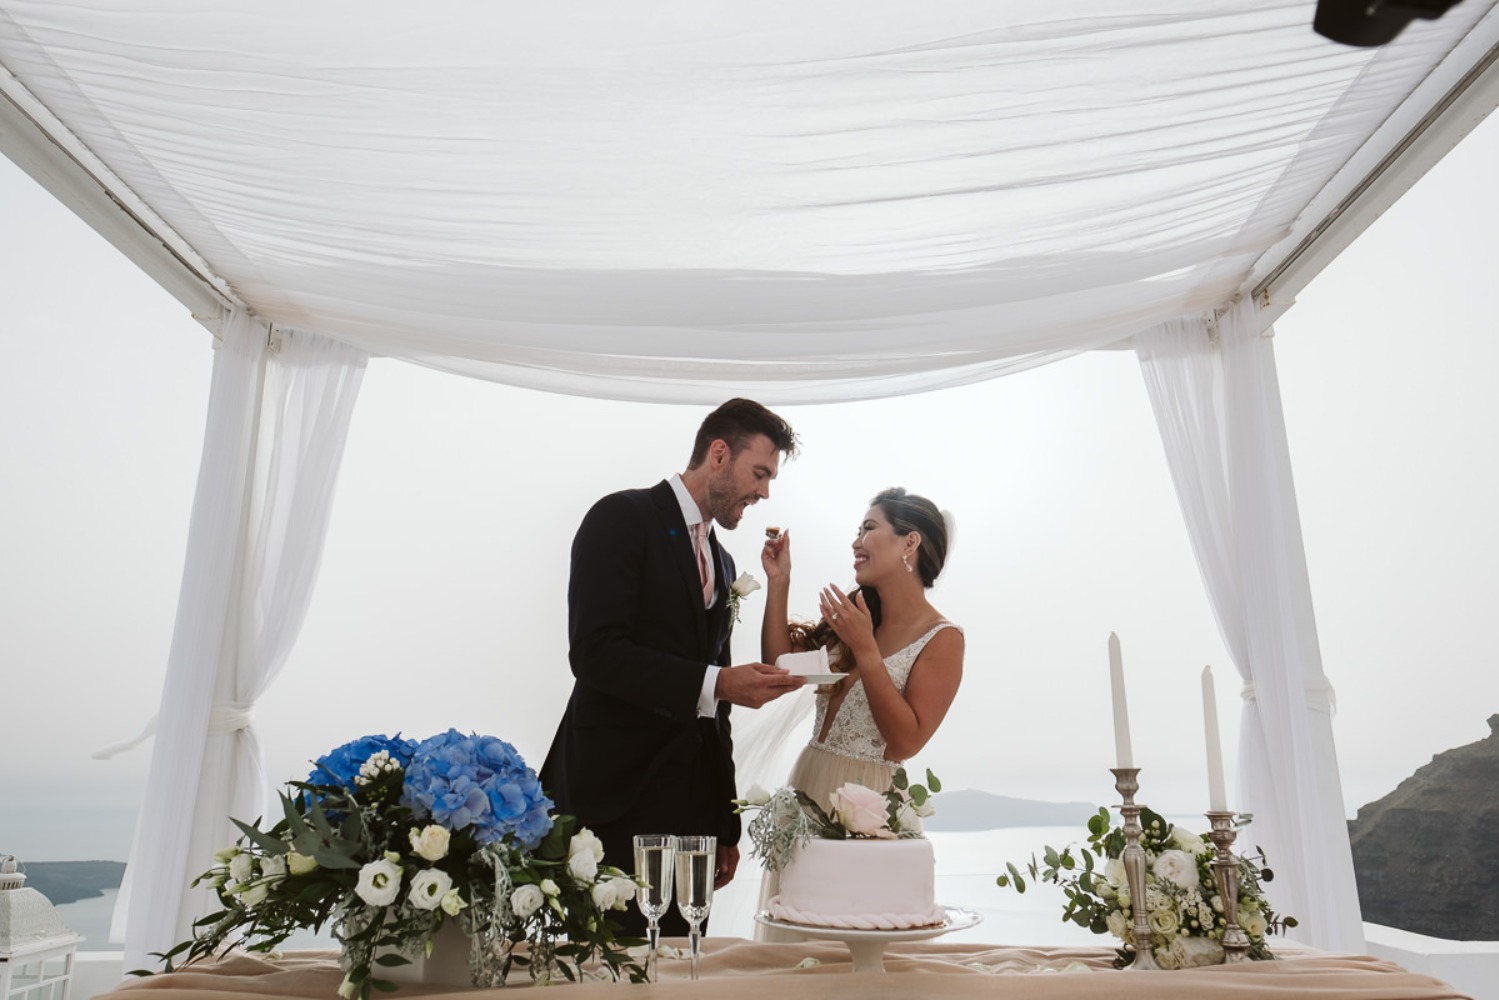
[854, 733]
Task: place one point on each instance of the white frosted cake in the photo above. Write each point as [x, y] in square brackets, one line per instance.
[859, 885]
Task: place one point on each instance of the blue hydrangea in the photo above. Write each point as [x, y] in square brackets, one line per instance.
[478, 783]
[338, 767]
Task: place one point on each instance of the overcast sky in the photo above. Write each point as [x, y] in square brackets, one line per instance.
[442, 595]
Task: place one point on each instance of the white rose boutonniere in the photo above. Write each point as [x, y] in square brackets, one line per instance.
[743, 586]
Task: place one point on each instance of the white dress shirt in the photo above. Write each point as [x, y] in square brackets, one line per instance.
[707, 704]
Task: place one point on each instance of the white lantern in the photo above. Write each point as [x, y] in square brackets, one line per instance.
[36, 947]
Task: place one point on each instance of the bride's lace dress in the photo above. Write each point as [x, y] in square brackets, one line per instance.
[852, 750]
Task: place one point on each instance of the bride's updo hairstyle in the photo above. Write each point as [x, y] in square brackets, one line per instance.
[908, 512]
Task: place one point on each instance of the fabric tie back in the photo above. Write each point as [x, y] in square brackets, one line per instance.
[704, 567]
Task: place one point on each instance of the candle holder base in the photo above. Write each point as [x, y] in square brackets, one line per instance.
[1126, 782]
[1226, 872]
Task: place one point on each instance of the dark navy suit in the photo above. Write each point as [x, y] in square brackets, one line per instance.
[631, 754]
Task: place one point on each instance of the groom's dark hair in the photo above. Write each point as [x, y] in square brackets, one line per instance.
[735, 422]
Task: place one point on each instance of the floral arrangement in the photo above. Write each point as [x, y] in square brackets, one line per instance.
[388, 839]
[744, 585]
[786, 820]
[1182, 900]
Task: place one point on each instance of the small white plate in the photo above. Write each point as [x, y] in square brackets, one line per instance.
[820, 678]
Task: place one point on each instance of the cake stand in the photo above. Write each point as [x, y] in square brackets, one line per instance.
[868, 947]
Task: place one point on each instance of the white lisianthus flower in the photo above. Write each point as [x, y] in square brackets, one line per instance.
[1254, 924]
[549, 887]
[274, 866]
[428, 887]
[603, 895]
[1113, 871]
[526, 900]
[1118, 924]
[757, 796]
[582, 866]
[346, 988]
[452, 902]
[861, 810]
[584, 841]
[625, 890]
[242, 867]
[299, 864]
[1191, 952]
[431, 842]
[379, 882]
[1176, 866]
[226, 855]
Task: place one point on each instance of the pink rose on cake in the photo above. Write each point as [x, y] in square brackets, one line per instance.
[862, 811]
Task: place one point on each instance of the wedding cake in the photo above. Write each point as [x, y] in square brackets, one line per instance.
[860, 884]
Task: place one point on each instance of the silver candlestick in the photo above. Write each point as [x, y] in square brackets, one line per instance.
[1126, 780]
[1226, 872]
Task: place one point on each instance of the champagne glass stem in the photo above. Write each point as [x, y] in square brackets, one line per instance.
[653, 934]
[696, 938]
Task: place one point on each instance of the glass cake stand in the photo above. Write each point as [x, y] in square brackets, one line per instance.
[868, 947]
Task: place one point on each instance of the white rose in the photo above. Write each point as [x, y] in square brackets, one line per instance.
[300, 864]
[379, 882]
[1118, 925]
[1191, 952]
[582, 841]
[526, 900]
[431, 842]
[757, 796]
[860, 809]
[274, 866]
[1176, 866]
[242, 867]
[1254, 924]
[582, 866]
[428, 888]
[1189, 841]
[745, 584]
[1164, 921]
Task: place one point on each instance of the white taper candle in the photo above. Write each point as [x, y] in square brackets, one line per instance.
[1217, 795]
[1121, 710]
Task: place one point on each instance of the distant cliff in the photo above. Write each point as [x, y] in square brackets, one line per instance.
[1424, 856]
[69, 881]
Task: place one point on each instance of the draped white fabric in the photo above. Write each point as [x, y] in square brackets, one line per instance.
[277, 422]
[1217, 402]
[803, 202]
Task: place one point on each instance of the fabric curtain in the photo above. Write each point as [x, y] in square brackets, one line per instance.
[278, 418]
[1216, 398]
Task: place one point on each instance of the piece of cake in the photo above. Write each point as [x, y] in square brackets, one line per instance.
[860, 884]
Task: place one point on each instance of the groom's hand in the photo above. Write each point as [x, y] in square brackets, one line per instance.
[754, 684]
[727, 864]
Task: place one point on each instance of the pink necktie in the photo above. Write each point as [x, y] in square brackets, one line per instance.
[704, 571]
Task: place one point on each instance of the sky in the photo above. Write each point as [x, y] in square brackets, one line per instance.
[442, 595]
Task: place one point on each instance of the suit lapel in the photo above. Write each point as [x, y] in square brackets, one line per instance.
[679, 540]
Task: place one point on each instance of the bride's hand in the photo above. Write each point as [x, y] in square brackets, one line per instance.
[848, 617]
[775, 557]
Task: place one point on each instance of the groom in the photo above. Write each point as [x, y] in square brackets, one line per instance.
[644, 745]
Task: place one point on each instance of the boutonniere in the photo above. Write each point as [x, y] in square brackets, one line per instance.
[741, 588]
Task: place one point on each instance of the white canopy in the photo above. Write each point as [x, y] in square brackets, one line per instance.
[681, 201]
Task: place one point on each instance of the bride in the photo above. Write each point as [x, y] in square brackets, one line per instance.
[901, 660]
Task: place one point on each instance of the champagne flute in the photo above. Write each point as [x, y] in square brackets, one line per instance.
[653, 868]
[696, 859]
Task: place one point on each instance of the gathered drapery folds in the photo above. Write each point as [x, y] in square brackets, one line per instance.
[1216, 399]
[278, 416]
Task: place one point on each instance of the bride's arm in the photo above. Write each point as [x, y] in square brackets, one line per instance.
[775, 631]
[909, 720]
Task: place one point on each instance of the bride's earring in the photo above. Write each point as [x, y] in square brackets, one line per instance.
[906, 562]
